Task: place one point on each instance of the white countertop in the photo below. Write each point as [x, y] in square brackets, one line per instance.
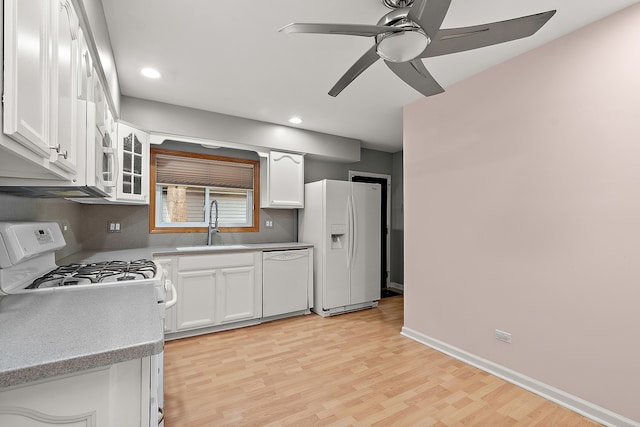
[154, 252]
[55, 332]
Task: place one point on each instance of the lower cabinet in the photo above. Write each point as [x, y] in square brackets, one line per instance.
[113, 396]
[224, 290]
[217, 289]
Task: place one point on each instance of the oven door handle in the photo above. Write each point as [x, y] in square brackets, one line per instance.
[174, 294]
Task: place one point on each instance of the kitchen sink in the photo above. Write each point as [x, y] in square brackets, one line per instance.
[211, 248]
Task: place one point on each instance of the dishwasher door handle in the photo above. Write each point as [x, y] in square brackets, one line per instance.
[286, 256]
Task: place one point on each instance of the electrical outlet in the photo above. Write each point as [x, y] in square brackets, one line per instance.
[503, 336]
[113, 227]
[268, 224]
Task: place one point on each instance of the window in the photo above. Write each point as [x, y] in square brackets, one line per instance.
[185, 185]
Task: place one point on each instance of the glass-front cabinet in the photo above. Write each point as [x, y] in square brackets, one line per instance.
[133, 157]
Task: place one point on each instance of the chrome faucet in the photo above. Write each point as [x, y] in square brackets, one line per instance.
[213, 228]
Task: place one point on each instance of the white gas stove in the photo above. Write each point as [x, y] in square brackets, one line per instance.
[27, 264]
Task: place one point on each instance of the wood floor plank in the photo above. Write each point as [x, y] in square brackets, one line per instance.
[350, 370]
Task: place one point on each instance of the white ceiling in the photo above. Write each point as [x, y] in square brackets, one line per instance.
[227, 57]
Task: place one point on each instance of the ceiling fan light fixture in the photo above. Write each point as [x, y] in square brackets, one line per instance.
[402, 46]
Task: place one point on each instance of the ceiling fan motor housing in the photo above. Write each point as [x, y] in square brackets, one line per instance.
[404, 45]
[395, 4]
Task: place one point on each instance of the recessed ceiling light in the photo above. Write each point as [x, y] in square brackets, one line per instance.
[150, 73]
[295, 120]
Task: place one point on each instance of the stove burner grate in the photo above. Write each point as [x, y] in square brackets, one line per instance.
[97, 272]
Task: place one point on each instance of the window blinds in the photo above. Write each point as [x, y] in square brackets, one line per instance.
[176, 170]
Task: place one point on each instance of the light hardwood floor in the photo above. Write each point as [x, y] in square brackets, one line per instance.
[350, 370]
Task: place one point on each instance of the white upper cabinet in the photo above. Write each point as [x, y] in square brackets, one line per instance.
[65, 74]
[133, 161]
[41, 57]
[27, 73]
[282, 180]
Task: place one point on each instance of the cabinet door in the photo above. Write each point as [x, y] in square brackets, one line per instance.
[64, 86]
[112, 396]
[196, 299]
[133, 156]
[286, 180]
[236, 294]
[27, 73]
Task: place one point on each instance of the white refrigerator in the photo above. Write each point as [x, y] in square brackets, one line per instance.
[342, 220]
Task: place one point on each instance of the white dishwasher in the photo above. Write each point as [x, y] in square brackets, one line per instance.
[285, 282]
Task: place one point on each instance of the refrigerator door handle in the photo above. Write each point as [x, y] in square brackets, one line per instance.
[354, 230]
[350, 233]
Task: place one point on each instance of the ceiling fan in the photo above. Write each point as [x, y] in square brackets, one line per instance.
[411, 31]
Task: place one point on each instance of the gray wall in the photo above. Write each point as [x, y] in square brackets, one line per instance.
[67, 213]
[135, 229]
[397, 220]
[373, 161]
[164, 118]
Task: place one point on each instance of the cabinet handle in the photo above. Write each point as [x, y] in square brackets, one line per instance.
[64, 155]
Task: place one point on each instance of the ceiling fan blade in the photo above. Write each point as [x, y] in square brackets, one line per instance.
[356, 69]
[461, 39]
[415, 74]
[429, 14]
[343, 29]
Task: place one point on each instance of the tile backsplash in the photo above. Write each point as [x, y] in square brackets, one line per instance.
[67, 214]
[86, 225]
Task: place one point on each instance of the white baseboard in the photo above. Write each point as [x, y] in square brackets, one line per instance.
[596, 413]
[394, 285]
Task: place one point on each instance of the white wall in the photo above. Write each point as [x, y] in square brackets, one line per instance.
[522, 201]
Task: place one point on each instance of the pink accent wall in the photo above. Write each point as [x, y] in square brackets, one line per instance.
[522, 211]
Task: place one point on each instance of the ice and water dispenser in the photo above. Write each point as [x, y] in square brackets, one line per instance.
[338, 233]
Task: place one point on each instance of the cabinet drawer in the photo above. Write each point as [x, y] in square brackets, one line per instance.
[199, 262]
